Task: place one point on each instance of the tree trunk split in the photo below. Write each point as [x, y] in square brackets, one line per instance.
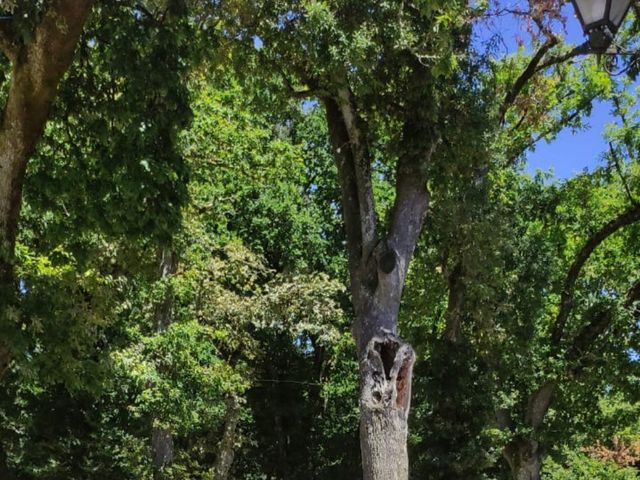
[385, 397]
[524, 457]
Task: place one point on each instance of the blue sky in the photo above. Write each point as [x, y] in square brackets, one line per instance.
[571, 152]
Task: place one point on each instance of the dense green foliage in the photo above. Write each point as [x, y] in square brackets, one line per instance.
[180, 128]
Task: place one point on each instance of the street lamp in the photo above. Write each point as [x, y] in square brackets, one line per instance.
[601, 20]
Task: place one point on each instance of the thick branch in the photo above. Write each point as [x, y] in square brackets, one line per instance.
[343, 156]
[539, 404]
[578, 51]
[601, 318]
[633, 295]
[40, 65]
[37, 70]
[525, 76]
[420, 139]
[167, 267]
[630, 216]
[536, 65]
[229, 441]
[356, 130]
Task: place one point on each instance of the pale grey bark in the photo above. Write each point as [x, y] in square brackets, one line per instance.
[229, 441]
[539, 404]
[167, 265]
[162, 450]
[378, 267]
[384, 403]
[525, 455]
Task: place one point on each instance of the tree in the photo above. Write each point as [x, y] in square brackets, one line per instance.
[378, 89]
[39, 43]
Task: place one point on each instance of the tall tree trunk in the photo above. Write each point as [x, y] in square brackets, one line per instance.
[524, 457]
[385, 379]
[37, 68]
[161, 437]
[13, 162]
[378, 267]
[161, 451]
[227, 446]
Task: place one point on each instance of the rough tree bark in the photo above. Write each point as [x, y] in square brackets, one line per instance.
[37, 68]
[227, 446]
[524, 457]
[378, 268]
[161, 437]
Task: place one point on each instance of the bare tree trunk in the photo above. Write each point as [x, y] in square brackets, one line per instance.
[161, 437]
[161, 451]
[13, 162]
[524, 457]
[230, 437]
[385, 396]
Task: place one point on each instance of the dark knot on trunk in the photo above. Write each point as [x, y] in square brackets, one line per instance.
[386, 258]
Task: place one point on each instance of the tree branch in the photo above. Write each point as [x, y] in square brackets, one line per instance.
[453, 316]
[420, 140]
[583, 49]
[525, 76]
[539, 403]
[348, 185]
[356, 129]
[628, 217]
[623, 179]
[37, 69]
[562, 121]
[537, 65]
[602, 316]
[633, 295]
[40, 65]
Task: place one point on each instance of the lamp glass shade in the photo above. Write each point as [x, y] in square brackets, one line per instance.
[607, 14]
[617, 12]
[591, 11]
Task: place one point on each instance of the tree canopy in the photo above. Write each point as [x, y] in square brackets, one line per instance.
[290, 239]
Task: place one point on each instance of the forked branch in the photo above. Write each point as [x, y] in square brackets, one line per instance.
[566, 299]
